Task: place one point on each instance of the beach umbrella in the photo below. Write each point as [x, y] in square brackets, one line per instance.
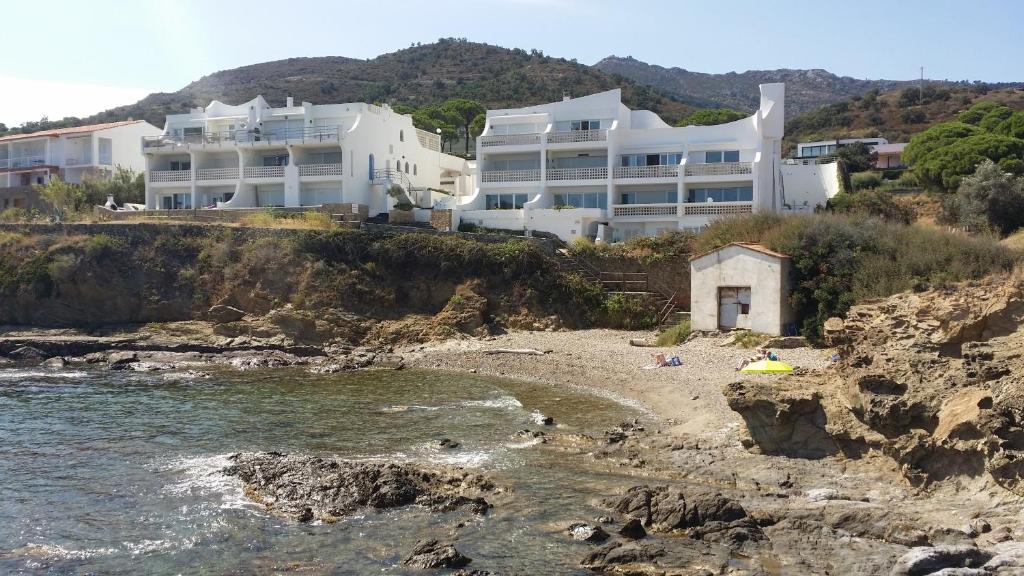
[767, 367]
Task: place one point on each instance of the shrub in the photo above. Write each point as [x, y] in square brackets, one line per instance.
[877, 203]
[712, 117]
[317, 220]
[989, 199]
[912, 116]
[749, 339]
[865, 180]
[261, 219]
[628, 312]
[675, 334]
[15, 215]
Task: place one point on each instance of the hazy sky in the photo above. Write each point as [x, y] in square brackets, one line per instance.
[80, 57]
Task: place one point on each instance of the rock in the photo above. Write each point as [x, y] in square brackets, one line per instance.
[448, 443]
[24, 353]
[542, 419]
[823, 494]
[432, 554]
[587, 532]
[922, 561]
[222, 314]
[333, 488]
[668, 508]
[121, 359]
[619, 552]
[55, 363]
[329, 368]
[785, 343]
[95, 358]
[633, 530]
[604, 520]
[150, 366]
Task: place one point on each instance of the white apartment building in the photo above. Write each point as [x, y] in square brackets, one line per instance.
[592, 167]
[72, 153]
[821, 148]
[254, 155]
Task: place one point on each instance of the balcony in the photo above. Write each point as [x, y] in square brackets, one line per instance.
[510, 176]
[717, 208]
[668, 171]
[217, 174]
[576, 136]
[319, 169]
[577, 173]
[312, 134]
[719, 169]
[170, 176]
[76, 160]
[509, 140]
[23, 162]
[264, 171]
[646, 210]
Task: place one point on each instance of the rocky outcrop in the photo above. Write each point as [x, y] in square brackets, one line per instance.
[305, 488]
[934, 380]
[666, 508]
[433, 554]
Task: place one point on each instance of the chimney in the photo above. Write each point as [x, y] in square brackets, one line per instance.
[290, 102]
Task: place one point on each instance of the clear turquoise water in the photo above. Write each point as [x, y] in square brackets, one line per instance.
[115, 473]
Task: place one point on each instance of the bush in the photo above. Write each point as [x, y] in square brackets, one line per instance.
[749, 339]
[877, 203]
[989, 199]
[675, 335]
[260, 219]
[913, 116]
[865, 180]
[15, 215]
[628, 312]
[317, 220]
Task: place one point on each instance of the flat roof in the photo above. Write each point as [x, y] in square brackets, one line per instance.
[55, 132]
[748, 245]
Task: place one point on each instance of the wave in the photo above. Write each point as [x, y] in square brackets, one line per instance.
[204, 476]
[57, 552]
[504, 402]
[17, 373]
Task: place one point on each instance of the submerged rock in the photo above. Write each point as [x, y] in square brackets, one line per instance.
[432, 554]
[309, 487]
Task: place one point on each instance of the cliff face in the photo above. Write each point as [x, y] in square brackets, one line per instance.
[934, 380]
[346, 283]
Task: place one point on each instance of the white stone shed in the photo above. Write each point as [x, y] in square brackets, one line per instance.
[740, 286]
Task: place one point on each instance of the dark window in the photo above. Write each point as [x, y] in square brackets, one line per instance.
[731, 155]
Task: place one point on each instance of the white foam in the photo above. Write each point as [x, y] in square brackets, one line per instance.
[504, 402]
[396, 408]
[19, 373]
[204, 476]
[55, 551]
[464, 459]
[524, 444]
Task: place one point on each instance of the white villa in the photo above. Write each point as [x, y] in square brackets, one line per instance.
[592, 167]
[254, 155]
[72, 153]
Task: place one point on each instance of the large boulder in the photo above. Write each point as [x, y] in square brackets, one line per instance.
[925, 560]
[666, 508]
[433, 554]
[222, 314]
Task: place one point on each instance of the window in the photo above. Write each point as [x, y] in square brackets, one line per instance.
[406, 167]
[413, 169]
[398, 165]
[582, 200]
[275, 160]
[650, 159]
[585, 125]
[731, 156]
[401, 135]
[578, 161]
[514, 164]
[181, 165]
[506, 201]
[713, 156]
[194, 134]
[724, 194]
[717, 156]
[105, 147]
[649, 197]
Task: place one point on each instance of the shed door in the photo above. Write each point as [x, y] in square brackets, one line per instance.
[733, 308]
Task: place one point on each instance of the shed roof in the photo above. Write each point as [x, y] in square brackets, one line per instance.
[53, 133]
[748, 245]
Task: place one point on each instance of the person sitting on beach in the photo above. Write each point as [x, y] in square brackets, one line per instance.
[659, 360]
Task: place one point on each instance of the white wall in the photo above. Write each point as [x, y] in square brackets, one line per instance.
[808, 186]
[125, 149]
[736, 266]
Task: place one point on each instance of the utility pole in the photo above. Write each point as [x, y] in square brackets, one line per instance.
[920, 89]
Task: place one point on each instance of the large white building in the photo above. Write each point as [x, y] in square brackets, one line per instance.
[254, 155]
[72, 153]
[592, 167]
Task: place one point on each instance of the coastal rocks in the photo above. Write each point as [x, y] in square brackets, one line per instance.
[308, 487]
[447, 443]
[221, 314]
[780, 420]
[633, 529]
[623, 431]
[55, 363]
[433, 554]
[121, 360]
[924, 560]
[666, 508]
[587, 532]
[623, 556]
[26, 353]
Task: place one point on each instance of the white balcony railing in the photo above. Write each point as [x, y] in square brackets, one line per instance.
[719, 169]
[429, 140]
[573, 136]
[509, 139]
[264, 171]
[319, 169]
[77, 160]
[577, 173]
[217, 174]
[23, 162]
[170, 175]
[717, 208]
[645, 210]
[668, 171]
[510, 176]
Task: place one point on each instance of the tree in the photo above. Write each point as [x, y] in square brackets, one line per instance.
[432, 118]
[466, 110]
[63, 198]
[712, 117]
[858, 157]
[989, 199]
[125, 186]
[476, 127]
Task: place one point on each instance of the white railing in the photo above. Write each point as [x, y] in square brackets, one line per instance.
[668, 171]
[170, 176]
[577, 173]
[577, 136]
[73, 161]
[717, 208]
[319, 169]
[264, 171]
[645, 210]
[510, 176]
[217, 174]
[428, 140]
[23, 162]
[509, 139]
[718, 169]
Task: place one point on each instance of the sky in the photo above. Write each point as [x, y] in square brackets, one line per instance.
[77, 58]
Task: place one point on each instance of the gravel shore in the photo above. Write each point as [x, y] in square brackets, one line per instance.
[687, 398]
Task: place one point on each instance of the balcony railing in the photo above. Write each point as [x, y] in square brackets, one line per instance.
[573, 136]
[510, 175]
[264, 171]
[77, 160]
[170, 175]
[667, 171]
[717, 208]
[509, 139]
[217, 174]
[23, 162]
[719, 169]
[319, 169]
[645, 210]
[309, 134]
[577, 173]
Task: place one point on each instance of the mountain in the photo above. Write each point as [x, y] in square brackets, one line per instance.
[806, 90]
[416, 76]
